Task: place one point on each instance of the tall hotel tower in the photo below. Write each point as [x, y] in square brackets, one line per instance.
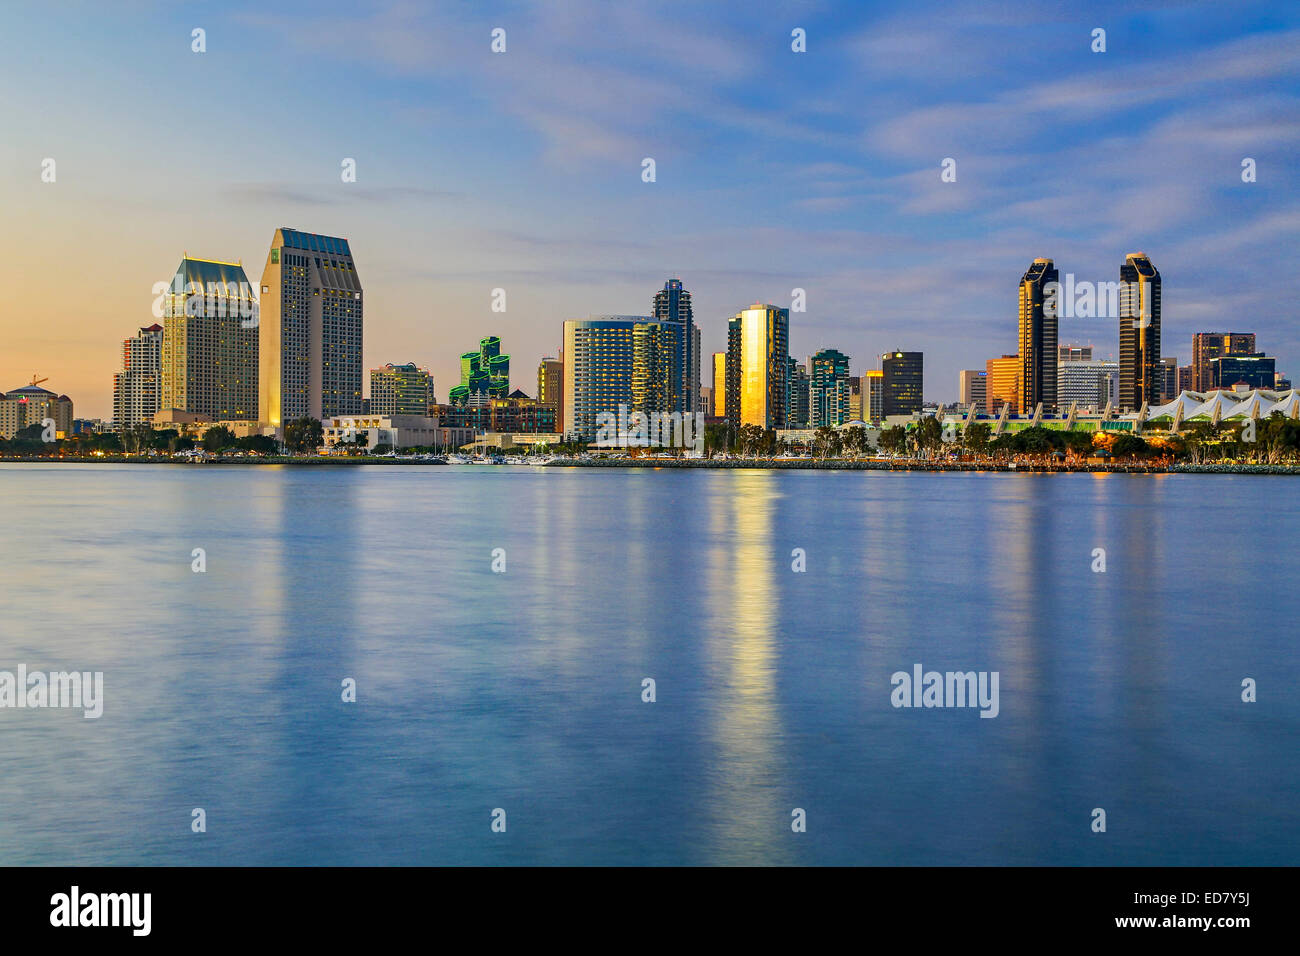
[1140, 374]
[210, 344]
[310, 329]
[673, 305]
[1038, 319]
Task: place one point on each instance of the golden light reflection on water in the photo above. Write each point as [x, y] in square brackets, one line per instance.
[743, 796]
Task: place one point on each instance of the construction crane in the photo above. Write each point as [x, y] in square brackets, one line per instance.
[37, 381]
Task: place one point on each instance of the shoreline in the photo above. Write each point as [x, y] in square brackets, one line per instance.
[795, 464]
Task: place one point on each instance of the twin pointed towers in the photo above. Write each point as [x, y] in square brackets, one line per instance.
[1044, 301]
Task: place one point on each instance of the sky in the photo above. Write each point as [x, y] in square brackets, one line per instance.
[775, 170]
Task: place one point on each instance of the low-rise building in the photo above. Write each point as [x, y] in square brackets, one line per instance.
[33, 405]
[395, 431]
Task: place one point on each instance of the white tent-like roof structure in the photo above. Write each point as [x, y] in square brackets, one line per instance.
[1189, 401]
[1227, 405]
[1215, 407]
[1254, 405]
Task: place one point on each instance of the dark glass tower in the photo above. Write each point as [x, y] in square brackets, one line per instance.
[904, 374]
[1140, 374]
[1038, 355]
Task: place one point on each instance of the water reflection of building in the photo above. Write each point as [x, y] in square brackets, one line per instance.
[742, 659]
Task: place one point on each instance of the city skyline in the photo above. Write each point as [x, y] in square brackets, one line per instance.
[538, 188]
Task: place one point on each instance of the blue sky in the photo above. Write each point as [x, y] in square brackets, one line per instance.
[775, 169]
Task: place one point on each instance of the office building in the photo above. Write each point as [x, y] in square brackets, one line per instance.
[873, 395]
[903, 382]
[210, 342]
[1073, 353]
[1086, 384]
[1140, 375]
[550, 388]
[1002, 376]
[1207, 346]
[311, 329]
[1253, 371]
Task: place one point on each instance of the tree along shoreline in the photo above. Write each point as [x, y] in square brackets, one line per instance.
[777, 464]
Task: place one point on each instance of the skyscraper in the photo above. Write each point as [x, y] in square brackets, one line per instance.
[1038, 317]
[762, 362]
[903, 382]
[828, 388]
[672, 304]
[1207, 346]
[311, 329]
[210, 342]
[137, 389]
[1140, 374]
[401, 390]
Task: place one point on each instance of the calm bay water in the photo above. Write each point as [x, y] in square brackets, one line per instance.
[522, 690]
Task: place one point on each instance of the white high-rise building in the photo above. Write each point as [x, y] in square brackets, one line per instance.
[137, 389]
